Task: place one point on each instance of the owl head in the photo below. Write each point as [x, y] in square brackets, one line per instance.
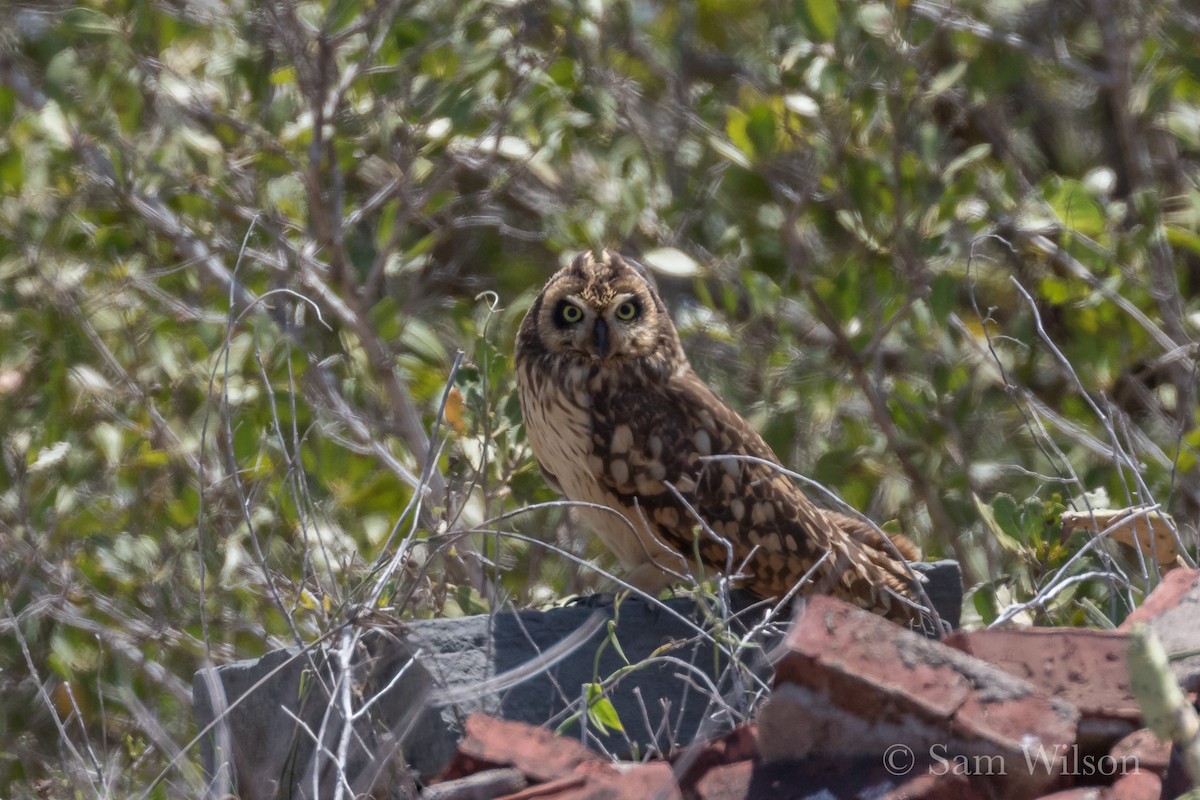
[601, 309]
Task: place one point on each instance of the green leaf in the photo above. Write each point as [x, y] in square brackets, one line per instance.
[994, 526]
[820, 17]
[1007, 515]
[602, 714]
[984, 601]
[942, 294]
[760, 129]
[1075, 206]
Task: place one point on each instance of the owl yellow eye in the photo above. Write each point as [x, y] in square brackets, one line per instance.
[627, 311]
[569, 314]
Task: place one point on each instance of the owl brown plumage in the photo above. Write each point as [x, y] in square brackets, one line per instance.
[618, 419]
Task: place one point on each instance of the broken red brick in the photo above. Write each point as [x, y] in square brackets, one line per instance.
[563, 769]
[550, 790]
[1144, 751]
[536, 752]
[1085, 667]
[488, 783]
[1081, 793]
[1171, 612]
[944, 786]
[652, 781]
[1136, 785]
[739, 744]
[848, 681]
[726, 782]
[1165, 596]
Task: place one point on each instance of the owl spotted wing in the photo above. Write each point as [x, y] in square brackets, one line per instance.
[675, 435]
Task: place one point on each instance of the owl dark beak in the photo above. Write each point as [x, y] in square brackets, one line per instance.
[600, 331]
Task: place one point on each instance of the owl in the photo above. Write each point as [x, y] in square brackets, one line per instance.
[671, 478]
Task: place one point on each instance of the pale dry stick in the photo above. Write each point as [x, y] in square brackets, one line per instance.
[445, 696]
[298, 485]
[63, 736]
[104, 746]
[365, 443]
[550, 677]
[234, 476]
[126, 642]
[1174, 351]
[506, 680]
[488, 526]
[415, 503]
[149, 723]
[1034, 418]
[1039, 600]
[217, 695]
[724, 542]
[735, 669]
[1037, 411]
[350, 640]
[294, 477]
[1034, 415]
[1123, 458]
[1143, 567]
[479, 475]
[200, 474]
[709, 688]
[1048, 593]
[703, 635]
[1074, 430]
[1040, 243]
[343, 697]
[1044, 443]
[651, 731]
[319, 749]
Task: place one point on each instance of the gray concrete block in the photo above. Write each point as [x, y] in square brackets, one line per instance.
[413, 684]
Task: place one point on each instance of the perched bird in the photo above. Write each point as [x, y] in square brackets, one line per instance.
[618, 419]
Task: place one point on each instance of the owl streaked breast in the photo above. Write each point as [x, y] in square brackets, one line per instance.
[618, 419]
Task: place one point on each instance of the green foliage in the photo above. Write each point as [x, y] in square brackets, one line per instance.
[947, 259]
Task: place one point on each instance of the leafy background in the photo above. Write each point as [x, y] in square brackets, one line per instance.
[945, 255]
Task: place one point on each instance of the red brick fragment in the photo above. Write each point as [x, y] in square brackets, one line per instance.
[739, 744]
[1085, 667]
[652, 781]
[850, 682]
[1144, 751]
[944, 786]
[563, 769]
[1081, 793]
[536, 752]
[1136, 785]
[1171, 612]
[1167, 595]
[488, 783]
[726, 782]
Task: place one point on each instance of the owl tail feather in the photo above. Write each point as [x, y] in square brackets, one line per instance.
[893, 594]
